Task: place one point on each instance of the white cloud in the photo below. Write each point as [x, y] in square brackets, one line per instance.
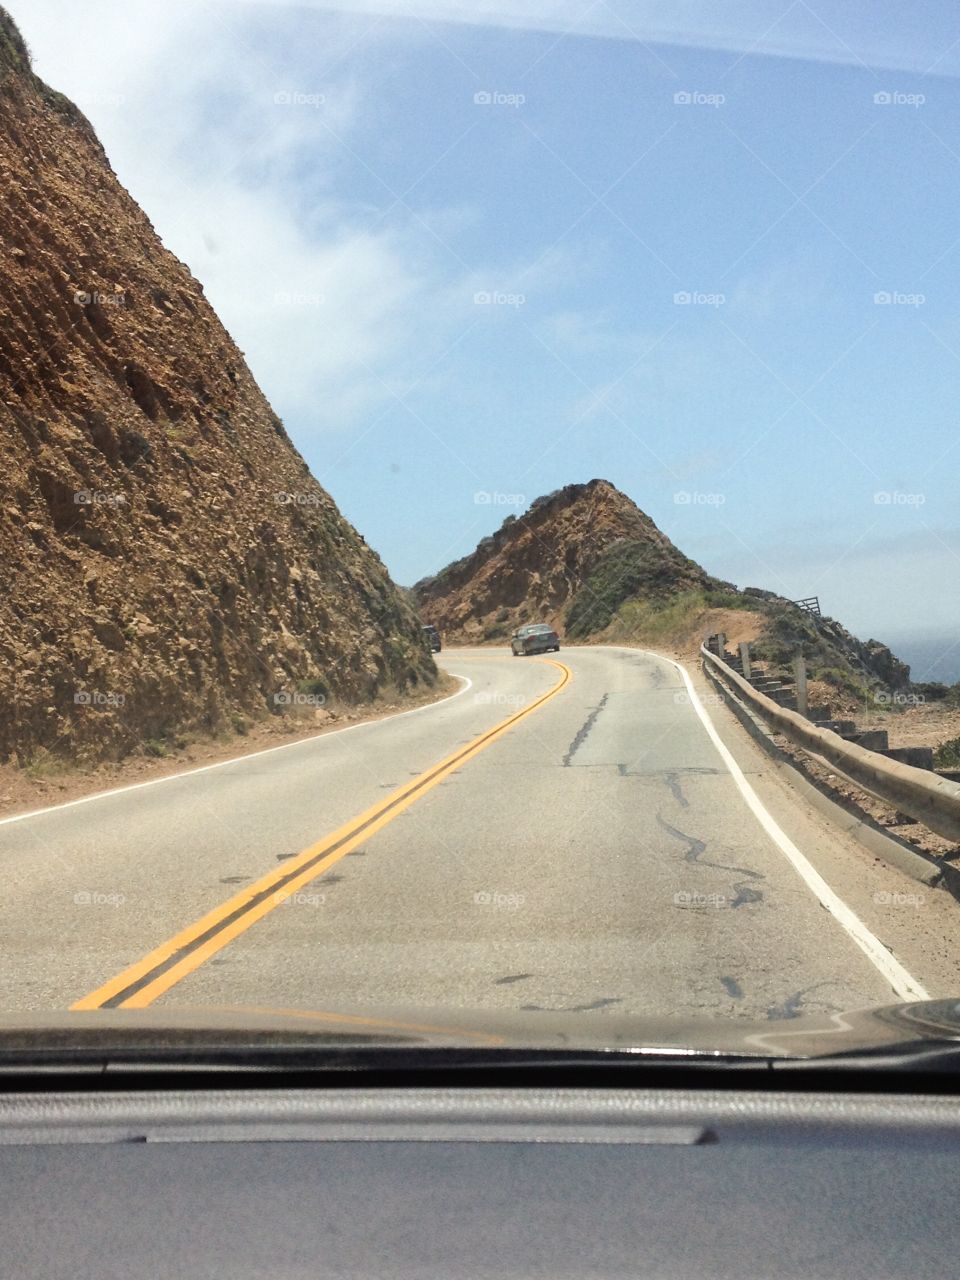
[334, 304]
[801, 282]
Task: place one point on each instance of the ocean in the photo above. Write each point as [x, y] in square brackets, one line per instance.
[932, 657]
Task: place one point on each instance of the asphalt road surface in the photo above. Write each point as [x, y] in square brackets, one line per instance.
[565, 833]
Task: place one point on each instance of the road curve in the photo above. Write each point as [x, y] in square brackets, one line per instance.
[559, 836]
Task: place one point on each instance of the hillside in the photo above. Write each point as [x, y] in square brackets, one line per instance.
[571, 559]
[588, 560]
[167, 562]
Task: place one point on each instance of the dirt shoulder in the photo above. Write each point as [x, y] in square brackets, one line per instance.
[23, 790]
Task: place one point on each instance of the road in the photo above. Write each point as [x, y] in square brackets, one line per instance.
[565, 833]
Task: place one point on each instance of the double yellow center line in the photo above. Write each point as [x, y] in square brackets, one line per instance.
[141, 984]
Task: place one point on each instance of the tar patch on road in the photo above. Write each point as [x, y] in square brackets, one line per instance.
[583, 731]
[795, 1004]
[670, 777]
[572, 1008]
[744, 892]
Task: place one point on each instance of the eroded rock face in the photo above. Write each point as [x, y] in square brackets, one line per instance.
[885, 665]
[167, 562]
[535, 567]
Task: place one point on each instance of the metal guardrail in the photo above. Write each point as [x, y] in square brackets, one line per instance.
[932, 800]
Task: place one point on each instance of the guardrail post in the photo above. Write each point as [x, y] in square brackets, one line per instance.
[745, 659]
[800, 676]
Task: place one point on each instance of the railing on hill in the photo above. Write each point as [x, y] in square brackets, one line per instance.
[810, 605]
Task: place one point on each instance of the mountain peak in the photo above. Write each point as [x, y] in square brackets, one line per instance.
[540, 566]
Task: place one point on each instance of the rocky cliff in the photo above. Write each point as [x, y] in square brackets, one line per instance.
[167, 562]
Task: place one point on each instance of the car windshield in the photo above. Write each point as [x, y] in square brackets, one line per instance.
[338, 338]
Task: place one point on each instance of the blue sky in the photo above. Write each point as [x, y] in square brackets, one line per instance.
[476, 252]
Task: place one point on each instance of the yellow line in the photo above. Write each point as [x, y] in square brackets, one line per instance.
[141, 983]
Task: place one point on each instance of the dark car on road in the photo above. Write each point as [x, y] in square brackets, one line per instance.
[431, 638]
[535, 637]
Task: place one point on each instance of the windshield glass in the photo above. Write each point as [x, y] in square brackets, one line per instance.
[479, 517]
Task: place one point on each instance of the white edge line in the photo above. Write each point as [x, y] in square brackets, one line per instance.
[904, 985]
[253, 755]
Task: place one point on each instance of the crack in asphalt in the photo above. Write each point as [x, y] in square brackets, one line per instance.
[672, 779]
[584, 729]
[696, 847]
[670, 776]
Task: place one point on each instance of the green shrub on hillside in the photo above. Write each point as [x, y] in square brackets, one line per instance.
[628, 570]
[725, 599]
[659, 622]
[314, 687]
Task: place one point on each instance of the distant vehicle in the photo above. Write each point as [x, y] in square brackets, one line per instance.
[431, 637]
[535, 637]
